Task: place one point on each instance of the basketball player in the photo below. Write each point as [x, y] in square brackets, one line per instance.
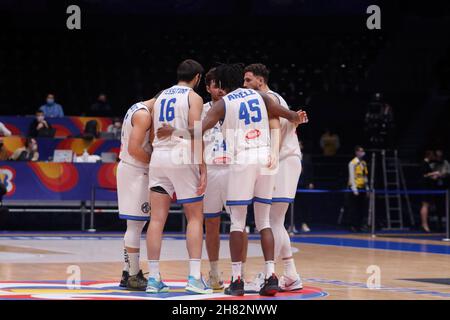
[172, 171]
[217, 162]
[132, 184]
[256, 77]
[217, 159]
[246, 115]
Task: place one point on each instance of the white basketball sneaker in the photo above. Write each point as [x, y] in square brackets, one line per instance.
[256, 285]
[290, 284]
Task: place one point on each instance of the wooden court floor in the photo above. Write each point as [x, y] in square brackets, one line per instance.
[333, 266]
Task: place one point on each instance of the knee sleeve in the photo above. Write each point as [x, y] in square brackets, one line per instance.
[280, 235]
[262, 215]
[238, 216]
[132, 238]
[278, 213]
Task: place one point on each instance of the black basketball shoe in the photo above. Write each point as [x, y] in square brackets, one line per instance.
[137, 282]
[236, 287]
[124, 280]
[270, 287]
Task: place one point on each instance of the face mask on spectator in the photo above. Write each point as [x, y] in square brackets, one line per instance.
[118, 124]
[50, 101]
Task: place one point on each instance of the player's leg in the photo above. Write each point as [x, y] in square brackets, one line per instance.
[185, 179]
[160, 203]
[291, 279]
[132, 243]
[132, 184]
[240, 190]
[285, 191]
[212, 241]
[263, 199]
[212, 208]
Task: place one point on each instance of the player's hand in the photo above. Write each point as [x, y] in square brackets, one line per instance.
[273, 161]
[356, 193]
[303, 117]
[165, 131]
[202, 186]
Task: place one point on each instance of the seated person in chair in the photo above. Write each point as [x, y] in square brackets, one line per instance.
[27, 153]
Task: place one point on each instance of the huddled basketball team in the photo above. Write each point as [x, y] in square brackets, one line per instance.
[240, 148]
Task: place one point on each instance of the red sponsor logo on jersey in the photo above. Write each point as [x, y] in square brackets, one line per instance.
[222, 160]
[253, 134]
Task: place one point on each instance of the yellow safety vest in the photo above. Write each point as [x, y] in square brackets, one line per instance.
[361, 173]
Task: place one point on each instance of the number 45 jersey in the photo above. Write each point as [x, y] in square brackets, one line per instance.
[171, 107]
[246, 124]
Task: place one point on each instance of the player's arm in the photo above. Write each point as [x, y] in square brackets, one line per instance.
[277, 110]
[213, 116]
[150, 106]
[141, 122]
[275, 121]
[195, 113]
[275, 140]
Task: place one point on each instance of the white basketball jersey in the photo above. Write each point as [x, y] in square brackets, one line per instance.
[171, 107]
[125, 136]
[289, 139]
[246, 123]
[215, 146]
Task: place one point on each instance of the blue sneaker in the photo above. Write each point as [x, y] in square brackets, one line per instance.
[198, 286]
[156, 286]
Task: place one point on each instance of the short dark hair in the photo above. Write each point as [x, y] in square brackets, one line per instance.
[39, 111]
[358, 147]
[210, 76]
[258, 69]
[188, 69]
[229, 76]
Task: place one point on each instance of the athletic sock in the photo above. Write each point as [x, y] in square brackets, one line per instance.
[243, 270]
[194, 268]
[236, 269]
[134, 263]
[289, 268]
[214, 268]
[269, 268]
[153, 269]
[126, 259]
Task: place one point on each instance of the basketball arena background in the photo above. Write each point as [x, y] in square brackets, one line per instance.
[322, 56]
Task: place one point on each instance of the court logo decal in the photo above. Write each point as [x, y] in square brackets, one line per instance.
[102, 290]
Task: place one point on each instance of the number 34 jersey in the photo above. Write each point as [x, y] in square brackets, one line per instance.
[246, 123]
[171, 107]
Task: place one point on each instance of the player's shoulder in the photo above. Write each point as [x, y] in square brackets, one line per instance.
[354, 160]
[195, 97]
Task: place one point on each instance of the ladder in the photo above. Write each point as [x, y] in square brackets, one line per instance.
[393, 182]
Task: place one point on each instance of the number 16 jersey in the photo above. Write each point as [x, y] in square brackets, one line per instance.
[171, 107]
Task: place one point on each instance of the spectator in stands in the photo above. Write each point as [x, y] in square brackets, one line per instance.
[4, 130]
[429, 177]
[3, 153]
[52, 109]
[40, 127]
[101, 107]
[358, 183]
[27, 153]
[115, 128]
[330, 143]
